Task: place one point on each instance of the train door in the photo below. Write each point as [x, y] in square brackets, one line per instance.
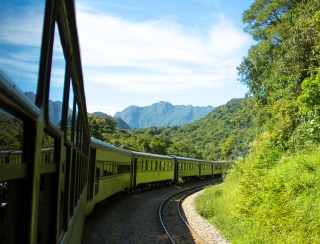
[134, 172]
[92, 166]
[176, 170]
[97, 180]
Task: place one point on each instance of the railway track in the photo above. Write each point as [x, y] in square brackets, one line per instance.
[173, 219]
[132, 218]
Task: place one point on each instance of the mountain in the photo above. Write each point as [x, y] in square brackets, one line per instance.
[120, 123]
[162, 114]
[55, 108]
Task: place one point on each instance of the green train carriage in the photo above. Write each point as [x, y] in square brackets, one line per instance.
[113, 169]
[221, 167]
[152, 168]
[186, 168]
[206, 168]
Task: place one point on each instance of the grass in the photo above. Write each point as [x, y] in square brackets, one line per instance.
[268, 198]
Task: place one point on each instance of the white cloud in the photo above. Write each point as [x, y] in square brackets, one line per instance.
[22, 25]
[158, 55]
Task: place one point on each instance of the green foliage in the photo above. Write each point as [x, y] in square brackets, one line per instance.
[269, 198]
[11, 132]
[101, 127]
[223, 134]
[310, 94]
[272, 195]
[287, 48]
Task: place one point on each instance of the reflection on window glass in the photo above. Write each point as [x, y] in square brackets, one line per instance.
[56, 81]
[20, 42]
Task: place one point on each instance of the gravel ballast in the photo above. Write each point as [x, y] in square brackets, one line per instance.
[203, 228]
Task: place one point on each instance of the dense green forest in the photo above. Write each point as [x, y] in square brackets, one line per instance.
[272, 195]
[223, 134]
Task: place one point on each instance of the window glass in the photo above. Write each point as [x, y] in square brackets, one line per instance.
[75, 122]
[56, 80]
[70, 111]
[20, 42]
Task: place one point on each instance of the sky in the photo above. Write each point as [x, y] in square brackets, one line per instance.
[136, 52]
[145, 51]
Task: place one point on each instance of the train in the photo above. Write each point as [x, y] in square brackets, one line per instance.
[52, 174]
[118, 169]
[113, 170]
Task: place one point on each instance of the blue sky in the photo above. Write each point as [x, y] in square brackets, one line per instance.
[144, 51]
[136, 52]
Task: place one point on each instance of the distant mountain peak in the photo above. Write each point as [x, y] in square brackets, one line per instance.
[162, 114]
[120, 123]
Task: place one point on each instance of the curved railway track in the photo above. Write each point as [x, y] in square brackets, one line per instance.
[173, 219]
[132, 218]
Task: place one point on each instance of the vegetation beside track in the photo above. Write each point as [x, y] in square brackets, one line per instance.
[272, 195]
[276, 204]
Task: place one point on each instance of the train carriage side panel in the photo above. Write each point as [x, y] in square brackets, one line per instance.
[205, 168]
[187, 167]
[151, 168]
[113, 169]
[216, 168]
[221, 167]
[225, 167]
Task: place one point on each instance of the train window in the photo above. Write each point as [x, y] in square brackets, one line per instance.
[79, 132]
[47, 141]
[56, 81]
[150, 165]
[20, 42]
[146, 165]
[70, 113]
[11, 133]
[156, 165]
[113, 167]
[74, 121]
[105, 169]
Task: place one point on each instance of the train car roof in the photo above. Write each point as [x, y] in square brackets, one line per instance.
[142, 154]
[222, 162]
[189, 159]
[107, 146]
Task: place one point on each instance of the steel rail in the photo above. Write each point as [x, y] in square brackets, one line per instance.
[160, 212]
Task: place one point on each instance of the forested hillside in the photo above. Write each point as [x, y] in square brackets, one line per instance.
[225, 133]
[272, 195]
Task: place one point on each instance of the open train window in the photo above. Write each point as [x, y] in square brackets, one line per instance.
[70, 112]
[20, 42]
[57, 81]
[156, 165]
[11, 137]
